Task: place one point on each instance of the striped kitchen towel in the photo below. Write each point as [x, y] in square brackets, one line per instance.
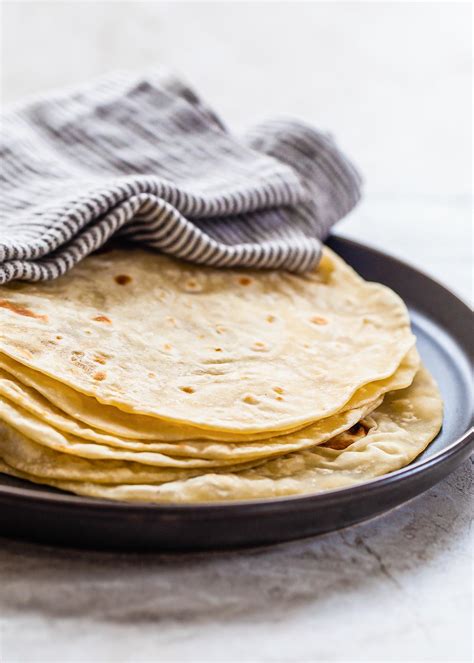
[144, 158]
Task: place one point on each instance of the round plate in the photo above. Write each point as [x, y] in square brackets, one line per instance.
[442, 324]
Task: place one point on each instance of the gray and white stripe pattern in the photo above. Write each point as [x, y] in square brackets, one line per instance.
[144, 158]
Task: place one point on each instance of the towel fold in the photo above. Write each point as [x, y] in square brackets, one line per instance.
[145, 158]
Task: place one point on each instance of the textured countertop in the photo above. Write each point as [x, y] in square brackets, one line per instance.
[397, 588]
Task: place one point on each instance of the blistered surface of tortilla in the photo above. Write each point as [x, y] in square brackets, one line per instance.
[243, 351]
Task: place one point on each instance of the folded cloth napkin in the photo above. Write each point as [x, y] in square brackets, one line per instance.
[144, 158]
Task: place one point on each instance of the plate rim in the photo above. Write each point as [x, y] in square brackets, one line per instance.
[63, 499]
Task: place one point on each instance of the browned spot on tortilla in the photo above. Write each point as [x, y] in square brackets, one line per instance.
[22, 310]
[102, 318]
[100, 358]
[318, 320]
[75, 354]
[123, 279]
[245, 280]
[59, 338]
[278, 390]
[271, 318]
[344, 440]
[250, 400]
[279, 398]
[152, 375]
[167, 347]
[217, 349]
[220, 329]
[100, 375]
[192, 285]
[187, 390]
[258, 346]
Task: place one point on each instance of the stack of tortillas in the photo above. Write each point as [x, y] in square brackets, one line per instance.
[142, 378]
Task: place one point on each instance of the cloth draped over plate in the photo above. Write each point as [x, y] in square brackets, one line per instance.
[143, 157]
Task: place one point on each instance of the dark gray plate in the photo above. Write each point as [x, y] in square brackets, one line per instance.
[443, 326]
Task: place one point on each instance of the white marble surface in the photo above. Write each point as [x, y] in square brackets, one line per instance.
[392, 81]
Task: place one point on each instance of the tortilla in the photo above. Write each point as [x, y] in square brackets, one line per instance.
[21, 432]
[228, 350]
[395, 434]
[26, 398]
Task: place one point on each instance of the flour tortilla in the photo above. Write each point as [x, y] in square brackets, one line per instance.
[21, 431]
[45, 463]
[60, 399]
[25, 398]
[398, 431]
[233, 350]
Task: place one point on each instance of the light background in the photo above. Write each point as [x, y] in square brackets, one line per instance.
[392, 81]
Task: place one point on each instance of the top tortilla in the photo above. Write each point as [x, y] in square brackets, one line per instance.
[231, 350]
